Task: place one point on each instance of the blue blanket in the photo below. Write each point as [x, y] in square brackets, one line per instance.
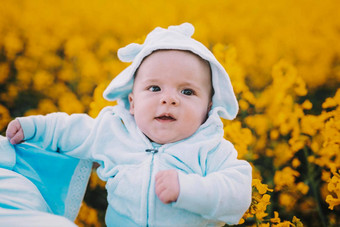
[39, 187]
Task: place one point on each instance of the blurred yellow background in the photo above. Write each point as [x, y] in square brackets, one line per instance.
[283, 58]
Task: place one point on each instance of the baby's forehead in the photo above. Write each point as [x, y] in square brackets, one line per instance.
[177, 53]
[167, 57]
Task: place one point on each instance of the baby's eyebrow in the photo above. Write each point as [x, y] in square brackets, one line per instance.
[152, 80]
[190, 85]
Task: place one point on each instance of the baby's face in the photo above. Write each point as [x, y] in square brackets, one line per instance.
[171, 96]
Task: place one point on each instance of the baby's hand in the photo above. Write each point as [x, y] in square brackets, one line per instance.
[14, 132]
[167, 186]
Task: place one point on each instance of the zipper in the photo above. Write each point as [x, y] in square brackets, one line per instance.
[153, 151]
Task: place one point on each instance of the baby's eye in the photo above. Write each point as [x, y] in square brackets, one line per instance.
[187, 92]
[154, 88]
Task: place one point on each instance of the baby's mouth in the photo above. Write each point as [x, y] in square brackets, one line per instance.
[165, 117]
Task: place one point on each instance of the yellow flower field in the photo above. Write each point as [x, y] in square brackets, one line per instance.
[283, 58]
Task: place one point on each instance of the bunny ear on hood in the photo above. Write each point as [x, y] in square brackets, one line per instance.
[173, 38]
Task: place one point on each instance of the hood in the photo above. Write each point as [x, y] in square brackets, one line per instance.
[173, 38]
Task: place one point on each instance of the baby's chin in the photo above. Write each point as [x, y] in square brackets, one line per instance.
[162, 141]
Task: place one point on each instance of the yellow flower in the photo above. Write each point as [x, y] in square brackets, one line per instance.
[13, 44]
[276, 218]
[4, 71]
[42, 79]
[300, 88]
[75, 46]
[239, 136]
[297, 222]
[67, 73]
[302, 187]
[69, 103]
[243, 104]
[88, 216]
[274, 134]
[24, 79]
[51, 61]
[282, 154]
[296, 163]
[334, 186]
[287, 200]
[241, 221]
[258, 122]
[285, 177]
[261, 207]
[330, 102]
[298, 142]
[11, 94]
[108, 46]
[332, 201]
[46, 106]
[89, 66]
[284, 224]
[310, 124]
[307, 105]
[99, 102]
[5, 117]
[261, 188]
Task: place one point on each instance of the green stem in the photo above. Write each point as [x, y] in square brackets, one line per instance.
[257, 221]
[314, 187]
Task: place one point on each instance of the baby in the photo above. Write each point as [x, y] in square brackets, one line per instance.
[161, 149]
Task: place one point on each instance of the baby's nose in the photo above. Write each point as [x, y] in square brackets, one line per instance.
[170, 99]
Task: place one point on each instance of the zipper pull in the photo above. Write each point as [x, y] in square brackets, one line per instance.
[154, 151]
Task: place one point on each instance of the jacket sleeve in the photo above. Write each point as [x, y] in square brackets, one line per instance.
[60, 132]
[224, 194]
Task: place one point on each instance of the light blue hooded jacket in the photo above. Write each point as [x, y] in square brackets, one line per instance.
[215, 187]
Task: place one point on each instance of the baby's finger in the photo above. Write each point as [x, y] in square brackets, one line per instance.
[164, 197]
[159, 175]
[18, 137]
[12, 128]
[10, 132]
[159, 187]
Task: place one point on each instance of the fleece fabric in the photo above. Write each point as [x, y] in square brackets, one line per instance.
[215, 186]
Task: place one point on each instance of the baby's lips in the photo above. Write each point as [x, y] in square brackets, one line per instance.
[166, 117]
